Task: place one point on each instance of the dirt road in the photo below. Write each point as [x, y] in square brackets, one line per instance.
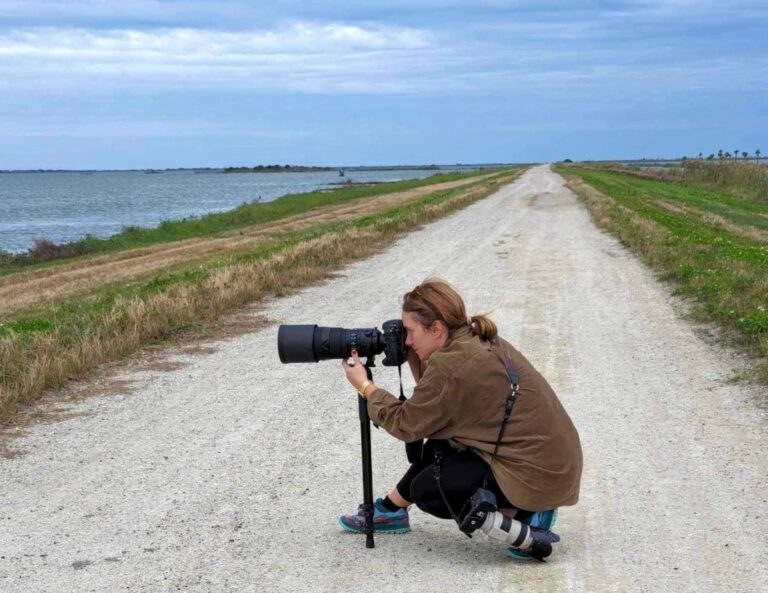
[228, 473]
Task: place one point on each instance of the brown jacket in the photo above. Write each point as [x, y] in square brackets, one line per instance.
[461, 397]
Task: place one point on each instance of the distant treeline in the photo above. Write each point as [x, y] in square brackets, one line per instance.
[303, 168]
[276, 169]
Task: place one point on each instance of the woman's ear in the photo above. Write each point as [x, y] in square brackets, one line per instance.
[437, 328]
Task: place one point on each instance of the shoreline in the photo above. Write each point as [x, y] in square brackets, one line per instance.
[141, 235]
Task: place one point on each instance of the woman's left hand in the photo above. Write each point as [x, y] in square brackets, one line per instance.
[356, 374]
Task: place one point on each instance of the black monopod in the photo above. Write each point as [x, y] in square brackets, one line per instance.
[311, 343]
[365, 445]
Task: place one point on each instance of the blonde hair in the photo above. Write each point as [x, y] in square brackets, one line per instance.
[436, 300]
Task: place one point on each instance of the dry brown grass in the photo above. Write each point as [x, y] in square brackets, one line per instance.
[35, 361]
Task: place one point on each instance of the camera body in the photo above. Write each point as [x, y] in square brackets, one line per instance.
[482, 503]
[312, 343]
[395, 352]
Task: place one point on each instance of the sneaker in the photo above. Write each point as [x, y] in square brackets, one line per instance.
[384, 521]
[543, 520]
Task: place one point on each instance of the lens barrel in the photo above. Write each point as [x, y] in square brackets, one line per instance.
[313, 343]
[295, 343]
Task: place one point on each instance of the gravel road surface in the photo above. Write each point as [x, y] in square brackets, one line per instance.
[227, 470]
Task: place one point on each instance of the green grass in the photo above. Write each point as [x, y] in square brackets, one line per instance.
[734, 204]
[745, 179]
[724, 267]
[216, 223]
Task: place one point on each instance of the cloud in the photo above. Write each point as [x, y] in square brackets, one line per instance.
[535, 51]
[300, 56]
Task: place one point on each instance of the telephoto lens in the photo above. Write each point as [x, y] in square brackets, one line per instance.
[313, 343]
[485, 516]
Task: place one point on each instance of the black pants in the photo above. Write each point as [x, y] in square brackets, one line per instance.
[462, 474]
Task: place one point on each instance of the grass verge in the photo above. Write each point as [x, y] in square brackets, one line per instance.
[713, 244]
[743, 180]
[45, 347]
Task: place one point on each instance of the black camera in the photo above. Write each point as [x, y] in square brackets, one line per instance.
[312, 343]
[483, 515]
[481, 504]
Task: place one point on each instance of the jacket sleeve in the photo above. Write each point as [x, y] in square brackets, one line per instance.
[427, 412]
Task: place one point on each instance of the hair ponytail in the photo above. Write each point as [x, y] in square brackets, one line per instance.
[484, 327]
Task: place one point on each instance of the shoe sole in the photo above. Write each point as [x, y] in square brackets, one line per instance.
[518, 555]
[393, 530]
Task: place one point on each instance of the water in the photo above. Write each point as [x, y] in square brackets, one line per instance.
[66, 206]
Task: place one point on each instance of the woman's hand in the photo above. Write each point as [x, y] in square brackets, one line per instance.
[355, 372]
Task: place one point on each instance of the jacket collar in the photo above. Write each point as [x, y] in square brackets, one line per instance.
[460, 335]
[462, 332]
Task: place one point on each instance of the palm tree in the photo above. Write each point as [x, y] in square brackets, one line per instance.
[735, 154]
[757, 155]
[720, 154]
[701, 155]
[727, 156]
[711, 157]
[744, 155]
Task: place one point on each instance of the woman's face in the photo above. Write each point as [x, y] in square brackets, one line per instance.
[423, 340]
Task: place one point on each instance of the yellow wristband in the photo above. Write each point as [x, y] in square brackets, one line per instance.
[363, 387]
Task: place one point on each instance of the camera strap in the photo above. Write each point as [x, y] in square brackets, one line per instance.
[514, 380]
[508, 405]
[437, 469]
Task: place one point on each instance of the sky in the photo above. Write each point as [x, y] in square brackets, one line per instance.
[121, 84]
